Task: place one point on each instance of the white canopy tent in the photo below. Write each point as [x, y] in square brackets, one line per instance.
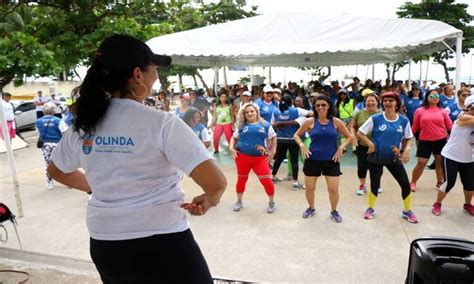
[306, 39]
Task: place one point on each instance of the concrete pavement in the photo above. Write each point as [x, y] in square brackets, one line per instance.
[251, 244]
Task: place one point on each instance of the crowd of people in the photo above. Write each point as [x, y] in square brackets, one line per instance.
[318, 123]
[131, 157]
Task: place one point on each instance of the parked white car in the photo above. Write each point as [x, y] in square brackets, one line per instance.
[25, 114]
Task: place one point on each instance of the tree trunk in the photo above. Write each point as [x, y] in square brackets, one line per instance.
[445, 67]
[5, 80]
[387, 69]
[180, 82]
[195, 81]
[202, 81]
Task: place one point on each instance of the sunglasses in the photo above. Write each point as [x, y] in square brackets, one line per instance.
[433, 96]
[321, 105]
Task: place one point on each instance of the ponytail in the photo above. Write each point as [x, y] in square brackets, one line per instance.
[285, 103]
[94, 94]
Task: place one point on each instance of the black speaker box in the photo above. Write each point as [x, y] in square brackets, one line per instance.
[441, 260]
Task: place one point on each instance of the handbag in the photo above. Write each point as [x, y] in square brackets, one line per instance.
[40, 142]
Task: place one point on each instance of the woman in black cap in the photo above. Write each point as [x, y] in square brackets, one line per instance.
[133, 158]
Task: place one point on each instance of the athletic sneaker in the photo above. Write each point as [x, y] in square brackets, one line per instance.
[438, 185]
[50, 185]
[380, 190]
[362, 189]
[409, 215]
[276, 180]
[238, 205]
[412, 186]
[308, 212]
[369, 213]
[436, 209]
[271, 207]
[336, 216]
[287, 178]
[297, 185]
[469, 208]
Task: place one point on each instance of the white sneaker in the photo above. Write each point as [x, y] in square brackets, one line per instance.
[362, 189]
[238, 205]
[297, 185]
[50, 185]
[271, 207]
[380, 190]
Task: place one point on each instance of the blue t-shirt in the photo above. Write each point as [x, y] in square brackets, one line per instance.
[197, 129]
[323, 141]
[266, 110]
[288, 115]
[386, 135]
[454, 111]
[446, 102]
[252, 138]
[48, 127]
[180, 113]
[412, 104]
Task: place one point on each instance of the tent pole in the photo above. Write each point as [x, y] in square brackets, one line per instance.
[373, 72]
[421, 71]
[457, 80]
[409, 74]
[427, 67]
[251, 76]
[216, 78]
[270, 74]
[11, 163]
[224, 70]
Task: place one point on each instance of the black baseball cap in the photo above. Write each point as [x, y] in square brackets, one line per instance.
[123, 52]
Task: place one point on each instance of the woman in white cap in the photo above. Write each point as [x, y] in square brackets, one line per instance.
[134, 158]
[458, 157]
[185, 100]
[268, 104]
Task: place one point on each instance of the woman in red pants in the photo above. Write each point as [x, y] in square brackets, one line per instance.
[248, 148]
[223, 120]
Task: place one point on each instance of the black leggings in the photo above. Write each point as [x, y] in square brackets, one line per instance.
[450, 171]
[167, 258]
[282, 147]
[362, 163]
[398, 172]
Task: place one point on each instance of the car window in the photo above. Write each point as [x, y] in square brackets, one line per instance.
[62, 99]
[25, 107]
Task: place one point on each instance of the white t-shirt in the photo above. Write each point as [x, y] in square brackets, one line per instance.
[134, 164]
[460, 145]
[40, 100]
[8, 111]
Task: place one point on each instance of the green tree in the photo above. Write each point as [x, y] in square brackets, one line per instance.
[449, 12]
[22, 54]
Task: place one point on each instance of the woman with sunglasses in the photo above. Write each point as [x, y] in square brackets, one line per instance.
[456, 108]
[458, 157]
[267, 104]
[389, 147]
[323, 155]
[433, 124]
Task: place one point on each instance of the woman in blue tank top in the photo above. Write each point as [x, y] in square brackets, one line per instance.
[323, 155]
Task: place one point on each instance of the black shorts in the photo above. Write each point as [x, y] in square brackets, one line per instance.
[315, 168]
[425, 148]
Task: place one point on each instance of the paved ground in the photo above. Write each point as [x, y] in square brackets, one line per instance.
[252, 244]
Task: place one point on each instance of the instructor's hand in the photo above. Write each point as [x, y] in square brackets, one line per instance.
[199, 206]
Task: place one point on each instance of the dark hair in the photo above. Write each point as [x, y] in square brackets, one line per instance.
[219, 103]
[426, 104]
[410, 93]
[93, 95]
[395, 96]
[344, 101]
[285, 102]
[189, 114]
[331, 111]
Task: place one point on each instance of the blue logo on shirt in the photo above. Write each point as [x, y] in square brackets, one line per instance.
[114, 141]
